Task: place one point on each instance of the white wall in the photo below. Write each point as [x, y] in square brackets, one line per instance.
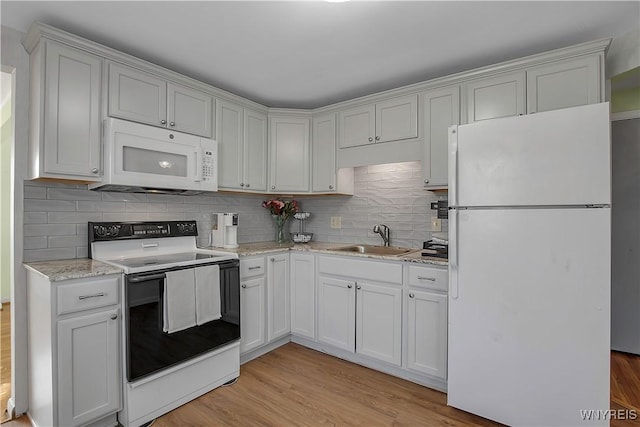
[6, 144]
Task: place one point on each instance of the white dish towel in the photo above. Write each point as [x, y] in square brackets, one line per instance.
[179, 300]
[207, 294]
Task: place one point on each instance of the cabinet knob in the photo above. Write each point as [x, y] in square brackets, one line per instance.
[114, 316]
[172, 124]
[273, 187]
[244, 286]
[349, 286]
[331, 187]
[94, 170]
[273, 259]
[163, 122]
[358, 287]
[247, 185]
[411, 295]
[426, 181]
[377, 138]
[370, 139]
[242, 184]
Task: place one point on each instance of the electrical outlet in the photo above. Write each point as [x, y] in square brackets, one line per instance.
[436, 224]
[336, 222]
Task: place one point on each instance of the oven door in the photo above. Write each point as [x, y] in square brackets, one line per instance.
[150, 350]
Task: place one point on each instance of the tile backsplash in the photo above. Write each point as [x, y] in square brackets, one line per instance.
[56, 215]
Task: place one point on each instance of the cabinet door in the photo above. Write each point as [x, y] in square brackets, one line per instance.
[397, 119]
[255, 150]
[357, 126]
[379, 322]
[289, 153]
[563, 85]
[336, 312]
[88, 367]
[427, 333]
[137, 96]
[278, 296]
[303, 301]
[441, 110]
[252, 314]
[230, 118]
[72, 123]
[189, 110]
[494, 97]
[324, 153]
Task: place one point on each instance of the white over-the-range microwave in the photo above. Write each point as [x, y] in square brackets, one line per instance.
[142, 158]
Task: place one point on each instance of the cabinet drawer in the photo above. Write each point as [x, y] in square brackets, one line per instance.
[87, 295]
[428, 277]
[370, 270]
[251, 267]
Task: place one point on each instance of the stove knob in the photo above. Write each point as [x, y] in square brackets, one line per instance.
[114, 231]
[100, 231]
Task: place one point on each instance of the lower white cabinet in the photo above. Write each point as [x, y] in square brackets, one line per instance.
[357, 315]
[264, 300]
[302, 277]
[379, 322]
[337, 312]
[278, 305]
[253, 308]
[252, 313]
[426, 319]
[427, 332]
[74, 350]
[88, 367]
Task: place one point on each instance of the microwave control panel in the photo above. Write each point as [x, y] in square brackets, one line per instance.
[209, 154]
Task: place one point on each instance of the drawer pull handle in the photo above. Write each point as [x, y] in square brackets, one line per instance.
[114, 316]
[148, 277]
[150, 245]
[244, 286]
[257, 267]
[81, 297]
[432, 279]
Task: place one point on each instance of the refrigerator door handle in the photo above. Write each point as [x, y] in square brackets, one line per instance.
[453, 253]
[453, 165]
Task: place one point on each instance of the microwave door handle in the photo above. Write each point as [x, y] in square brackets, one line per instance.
[198, 176]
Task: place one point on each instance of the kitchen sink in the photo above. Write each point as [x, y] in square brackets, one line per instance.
[374, 250]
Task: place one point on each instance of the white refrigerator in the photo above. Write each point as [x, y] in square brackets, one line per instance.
[529, 268]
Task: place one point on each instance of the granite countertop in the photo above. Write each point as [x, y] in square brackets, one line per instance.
[66, 269]
[260, 248]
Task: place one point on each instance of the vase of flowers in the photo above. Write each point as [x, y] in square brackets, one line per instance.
[281, 211]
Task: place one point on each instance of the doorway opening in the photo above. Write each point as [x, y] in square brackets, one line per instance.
[6, 239]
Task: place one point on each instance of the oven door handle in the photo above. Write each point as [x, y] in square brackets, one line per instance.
[138, 279]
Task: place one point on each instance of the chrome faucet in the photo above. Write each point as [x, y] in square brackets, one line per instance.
[383, 231]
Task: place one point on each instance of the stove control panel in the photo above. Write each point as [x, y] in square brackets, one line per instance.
[104, 231]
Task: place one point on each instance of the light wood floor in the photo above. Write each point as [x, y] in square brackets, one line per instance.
[5, 359]
[294, 385]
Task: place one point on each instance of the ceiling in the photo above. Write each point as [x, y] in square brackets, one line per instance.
[308, 54]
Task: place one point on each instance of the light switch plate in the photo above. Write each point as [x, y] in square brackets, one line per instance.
[336, 222]
[436, 224]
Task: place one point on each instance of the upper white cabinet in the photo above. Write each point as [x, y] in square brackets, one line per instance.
[324, 154]
[65, 123]
[494, 97]
[388, 120]
[289, 154]
[441, 110]
[564, 84]
[142, 97]
[242, 147]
